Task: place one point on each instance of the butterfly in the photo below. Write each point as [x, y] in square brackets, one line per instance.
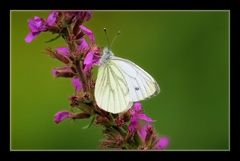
[120, 83]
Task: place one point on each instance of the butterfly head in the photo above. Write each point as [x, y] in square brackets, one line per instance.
[107, 53]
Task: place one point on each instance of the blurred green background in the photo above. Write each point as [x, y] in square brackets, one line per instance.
[185, 51]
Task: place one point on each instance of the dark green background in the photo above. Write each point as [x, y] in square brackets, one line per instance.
[185, 51]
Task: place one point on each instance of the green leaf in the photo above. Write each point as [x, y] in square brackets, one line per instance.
[91, 122]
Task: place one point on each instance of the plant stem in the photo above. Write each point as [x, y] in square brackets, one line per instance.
[81, 75]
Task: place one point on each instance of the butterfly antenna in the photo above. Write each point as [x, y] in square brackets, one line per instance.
[118, 33]
[105, 31]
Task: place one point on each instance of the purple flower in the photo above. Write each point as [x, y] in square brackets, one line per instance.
[92, 58]
[62, 54]
[63, 51]
[143, 131]
[137, 107]
[88, 32]
[36, 26]
[63, 72]
[52, 18]
[132, 127]
[162, 143]
[85, 15]
[69, 16]
[77, 83]
[30, 37]
[88, 62]
[81, 15]
[60, 116]
[136, 115]
[83, 46]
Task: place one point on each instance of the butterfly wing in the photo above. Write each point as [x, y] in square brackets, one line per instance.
[111, 90]
[141, 85]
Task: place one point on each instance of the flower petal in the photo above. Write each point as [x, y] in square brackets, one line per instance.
[63, 51]
[96, 54]
[51, 20]
[89, 58]
[137, 106]
[60, 116]
[62, 54]
[31, 36]
[143, 132]
[36, 24]
[77, 83]
[162, 143]
[144, 117]
[88, 61]
[83, 45]
[88, 32]
[132, 127]
[85, 15]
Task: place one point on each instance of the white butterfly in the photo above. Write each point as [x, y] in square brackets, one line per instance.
[120, 83]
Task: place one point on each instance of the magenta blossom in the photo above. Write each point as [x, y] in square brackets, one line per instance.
[88, 61]
[77, 84]
[62, 115]
[85, 15]
[162, 143]
[52, 18]
[144, 130]
[63, 51]
[62, 54]
[92, 58]
[136, 115]
[63, 72]
[79, 15]
[83, 46]
[36, 26]
[88, 32]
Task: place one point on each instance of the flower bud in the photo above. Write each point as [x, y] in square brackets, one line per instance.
[162, 143]
[68, 16]
[61, 115]
[74, 101]
[52, 18]
[62, 54]
[87, 32]
[83, 46]
[149, 133]
[85, 15]
[82, 115]
[63, 72]
[77, 83]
